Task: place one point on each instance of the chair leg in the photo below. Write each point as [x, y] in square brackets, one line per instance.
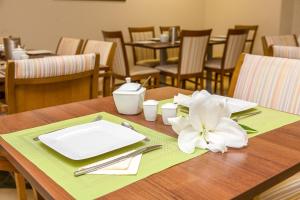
[173, 81]
[178, 82]
[196, 83]
[216, 82]
[222, 84]
[201, 83]
[183, 84]
[20, 185]
[157, 80]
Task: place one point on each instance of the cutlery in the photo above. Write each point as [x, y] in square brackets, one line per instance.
[128, 125]
[98, 118]
[247, 115]
[85, 170]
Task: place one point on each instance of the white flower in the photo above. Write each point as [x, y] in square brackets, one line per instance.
[208, 126]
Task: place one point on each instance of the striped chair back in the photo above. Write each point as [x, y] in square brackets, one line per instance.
[120, 64]
[271, 82]
[49, 81]
[142, 34]
[69, 46]
[173, 52]
[286, 52]
[193, 51]
[236, 39]
[105, 49]
[252, 32]
[280, 40]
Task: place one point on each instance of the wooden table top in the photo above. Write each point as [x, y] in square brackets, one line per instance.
[168, 45]
[239, 174]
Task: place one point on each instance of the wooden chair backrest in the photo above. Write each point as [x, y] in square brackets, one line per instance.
[105, 49]
[252, 32]
[280, 40]
[268, 81]
[69, 46]
[142, 34]
[75, 83]
[120, 62]
[193, 49]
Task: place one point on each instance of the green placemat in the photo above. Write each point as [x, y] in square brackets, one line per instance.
[268, 120]
[61, 169]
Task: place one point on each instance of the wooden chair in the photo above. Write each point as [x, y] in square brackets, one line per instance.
[121, 68]
[107, 52]
[252, 32]
[286, 52]
[260, 79]
[193, 51]
[69, 46]
[173, 53]
[236, 39]
[143, 56]
[280, 40]
[37, 83]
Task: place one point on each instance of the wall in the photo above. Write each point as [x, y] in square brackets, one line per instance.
[40, 23]
[287, 16]
[296, 17]
[223, 14]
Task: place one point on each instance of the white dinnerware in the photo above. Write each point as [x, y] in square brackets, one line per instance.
[91, 139]
[19, 54]
[169, 110]
[150, 110]
[164, 38]
[129, 98]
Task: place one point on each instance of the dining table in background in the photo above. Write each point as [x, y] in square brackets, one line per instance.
[155, 44]
[238, 174]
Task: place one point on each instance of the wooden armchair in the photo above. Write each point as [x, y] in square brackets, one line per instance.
[121, 68]
[107, 52]
[143, 56]
[69, 46]
[280, 40]
[193, 51]
[252, 32]
[37, 83]
[236, 39]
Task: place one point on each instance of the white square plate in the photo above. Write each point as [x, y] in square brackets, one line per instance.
[91, 139]
[238, 105]
[38, 52]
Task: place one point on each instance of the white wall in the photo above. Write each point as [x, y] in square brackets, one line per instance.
[224, 14]
[296, 17]
[40, 23]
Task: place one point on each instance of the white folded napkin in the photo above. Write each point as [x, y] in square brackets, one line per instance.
[129, 166]
[208, 126]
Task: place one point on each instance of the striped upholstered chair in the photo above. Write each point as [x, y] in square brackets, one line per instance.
[143, 56]
[236, 39]
[69, 46]
[43, 82]
[193, 51]
[121, 68]
[173, 53]
[280, 40]
[273, 83]
[107, 52]
[286, 52]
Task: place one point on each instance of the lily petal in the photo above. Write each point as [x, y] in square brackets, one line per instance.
[230, 133]
[179, 123]
[187, 140]
[207, 110]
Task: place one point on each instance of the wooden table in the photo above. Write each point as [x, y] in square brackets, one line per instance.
[239, 174]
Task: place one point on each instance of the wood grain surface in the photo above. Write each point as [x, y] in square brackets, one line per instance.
[238, 174]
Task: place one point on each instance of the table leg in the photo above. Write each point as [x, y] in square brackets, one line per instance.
[106, 85]
[163, 61]
[208, 73]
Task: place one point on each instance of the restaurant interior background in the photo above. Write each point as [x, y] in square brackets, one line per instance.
[40, 24]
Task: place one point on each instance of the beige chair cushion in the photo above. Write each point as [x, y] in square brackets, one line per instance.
[173, 69]
[173, 60]
[148, 62]
[214, 63]
[286, 52]
[141, 70]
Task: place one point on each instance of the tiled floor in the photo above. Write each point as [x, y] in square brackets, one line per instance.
[11, 194]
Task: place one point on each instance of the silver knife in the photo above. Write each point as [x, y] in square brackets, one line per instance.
[86, 170]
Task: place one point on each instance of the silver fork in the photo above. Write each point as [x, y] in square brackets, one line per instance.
[98, 118]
